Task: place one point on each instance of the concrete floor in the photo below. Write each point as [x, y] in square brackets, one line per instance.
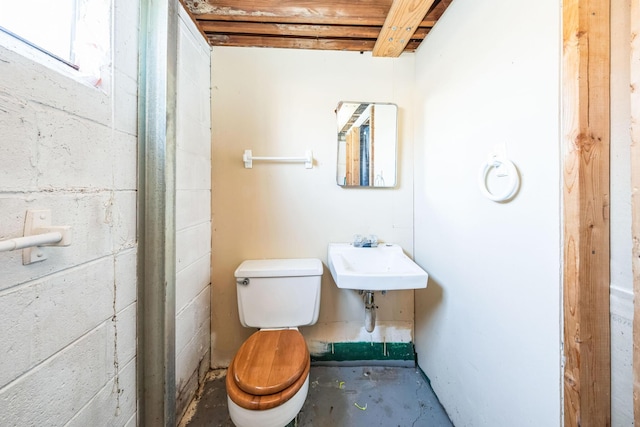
[345, 396]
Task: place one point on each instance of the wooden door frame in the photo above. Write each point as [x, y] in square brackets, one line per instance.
[585, 131]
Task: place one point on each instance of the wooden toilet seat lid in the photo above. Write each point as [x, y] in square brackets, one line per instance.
[270, 361]
[269, 401]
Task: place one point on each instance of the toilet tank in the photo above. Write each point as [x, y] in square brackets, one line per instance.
[279, 293]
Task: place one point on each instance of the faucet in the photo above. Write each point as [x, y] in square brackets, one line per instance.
[365, 242]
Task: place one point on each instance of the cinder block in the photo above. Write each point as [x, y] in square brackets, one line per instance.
[18, 145]
[114, 404]
[194, 136]
[191, 318]
[133, 421]
[73, 152]
[58, 388]
[54, 391]
[125, 161]
[190, 32]
[188, 359]
[126, 98]
[11, 219]
[191, 244]
[185, 394]
[121, 216]
[39, 84]
[126, 37]
[193, 207]
[41, 318]
[621, 355]
[91, 228]
[193, 172]
[125, 331]
[126, 278]
[191, 280]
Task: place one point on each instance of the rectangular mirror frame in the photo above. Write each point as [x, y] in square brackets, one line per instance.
[367, 137]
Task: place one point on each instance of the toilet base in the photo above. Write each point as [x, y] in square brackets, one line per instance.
[279, 416]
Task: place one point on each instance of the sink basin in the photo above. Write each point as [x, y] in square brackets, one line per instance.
[383, 268]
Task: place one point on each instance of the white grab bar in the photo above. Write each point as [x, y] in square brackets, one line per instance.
[37, 232]
[30, 241]
[248, 159]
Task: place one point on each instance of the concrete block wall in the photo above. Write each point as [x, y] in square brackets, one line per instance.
[68, 324]
[193, 211]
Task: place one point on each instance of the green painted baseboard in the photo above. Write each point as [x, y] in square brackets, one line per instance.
[352, 351]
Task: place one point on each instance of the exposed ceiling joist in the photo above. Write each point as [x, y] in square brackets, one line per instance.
[324, 24]
[400, 26]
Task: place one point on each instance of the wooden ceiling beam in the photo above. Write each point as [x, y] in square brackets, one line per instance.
[339, 24]
[437, 10]
[355, 12]
[374, 21]
[335, 11]
[298, 43]
[401, 22]
[297, 30]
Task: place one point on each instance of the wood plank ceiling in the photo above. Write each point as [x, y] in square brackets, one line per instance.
[385, 27]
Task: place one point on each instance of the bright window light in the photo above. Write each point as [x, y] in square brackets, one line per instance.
[74, 31]
[45, 23]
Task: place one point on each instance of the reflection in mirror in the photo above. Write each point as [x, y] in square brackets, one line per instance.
[367, 136]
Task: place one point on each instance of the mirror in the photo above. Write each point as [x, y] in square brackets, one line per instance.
[367, 137]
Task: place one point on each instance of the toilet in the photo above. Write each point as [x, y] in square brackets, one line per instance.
[268, 378]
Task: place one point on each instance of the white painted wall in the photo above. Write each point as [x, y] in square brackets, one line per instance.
[488, 325]
[281, 103]
[193, 210]
[68, 324]
[621, 244]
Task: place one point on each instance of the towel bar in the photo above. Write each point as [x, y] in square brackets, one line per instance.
[248, 159]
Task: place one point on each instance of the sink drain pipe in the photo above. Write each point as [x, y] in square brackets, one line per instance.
[369, 312]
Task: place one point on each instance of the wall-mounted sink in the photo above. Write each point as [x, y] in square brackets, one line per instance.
[383, 268]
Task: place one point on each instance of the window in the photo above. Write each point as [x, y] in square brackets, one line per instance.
[47, 24]
[75, 32]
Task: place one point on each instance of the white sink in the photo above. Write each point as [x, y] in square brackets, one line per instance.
[383, 268]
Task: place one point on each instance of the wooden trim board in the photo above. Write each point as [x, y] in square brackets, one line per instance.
[586, 151]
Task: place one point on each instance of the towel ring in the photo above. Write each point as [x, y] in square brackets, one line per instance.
[511, 172]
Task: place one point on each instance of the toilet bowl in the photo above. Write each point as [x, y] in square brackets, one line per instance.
[268, 379]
